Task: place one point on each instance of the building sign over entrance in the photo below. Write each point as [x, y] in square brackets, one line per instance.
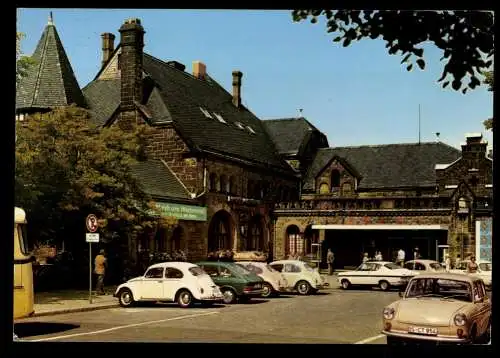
[183, 212]
[483, 239]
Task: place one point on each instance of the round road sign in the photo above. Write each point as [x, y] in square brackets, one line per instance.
[91, 223]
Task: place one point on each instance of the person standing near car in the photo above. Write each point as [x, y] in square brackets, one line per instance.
[330, 258]
[100, 264]
[400, 260]
[472, 266]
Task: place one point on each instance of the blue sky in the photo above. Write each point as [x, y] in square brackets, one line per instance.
[356, 95]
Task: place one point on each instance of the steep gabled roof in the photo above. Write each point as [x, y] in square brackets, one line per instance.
[158, 180]
[388, 166]
[288, 133]
[50, 81]
[180, 98]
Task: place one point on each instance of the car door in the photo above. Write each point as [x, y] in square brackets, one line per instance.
[152, 284]
[292, 273]
[482, 306]
[376, 274]
[172, 283]
[360, 276]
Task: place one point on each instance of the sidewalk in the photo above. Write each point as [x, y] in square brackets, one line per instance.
[66, 301]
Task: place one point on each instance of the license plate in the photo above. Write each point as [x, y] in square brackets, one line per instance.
[257, 285]
[423, 330]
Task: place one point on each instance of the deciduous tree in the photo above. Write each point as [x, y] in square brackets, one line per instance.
[465, 37]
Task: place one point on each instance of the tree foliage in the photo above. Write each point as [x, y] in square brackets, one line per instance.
[67, 168]
[465, 37]
[488, 123]
[23, 63]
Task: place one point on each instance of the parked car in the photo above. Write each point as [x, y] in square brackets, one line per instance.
[274, 281]
[181, 282]
[484, 271]
[440, 307]
[423, 266]
[300, 276]
[235, 282]
[383, 274]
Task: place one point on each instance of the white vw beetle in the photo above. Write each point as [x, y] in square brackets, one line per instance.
[181, 282]
[300, 276]
[274, 281]
[375, 273]
[484, 271]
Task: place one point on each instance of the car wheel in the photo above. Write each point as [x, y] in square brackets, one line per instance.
[125, 298]
[185, 299]
[229, 296]
[486, 336]
[207, 303]
[473, 335]
[303, 287]
[384, 285]
[345, 284]
[267, 290]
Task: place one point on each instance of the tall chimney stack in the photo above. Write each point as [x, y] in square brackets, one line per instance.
[108, 46]
[132, 44]
[199, 70]
[237, 88]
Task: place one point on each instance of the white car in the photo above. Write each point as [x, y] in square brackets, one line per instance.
[274, 281]
[484, 271]
[181, 282]
[375, 273]
[423, 266]
[300, 276]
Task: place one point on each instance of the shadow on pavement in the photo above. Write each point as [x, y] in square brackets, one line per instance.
[321, 293]
[175, 305]
[28, 329]
[282, 296]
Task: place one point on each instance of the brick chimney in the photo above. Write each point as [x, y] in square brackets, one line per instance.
[474, 147]
[199, 70]
[237, 88]
[108, 46]
[132, 43]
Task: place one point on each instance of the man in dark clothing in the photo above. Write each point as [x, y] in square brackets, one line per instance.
[330, 258]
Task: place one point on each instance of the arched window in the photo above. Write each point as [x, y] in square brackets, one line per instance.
[335, 180]
[346, 188]
[212, 182]
[294, 241]
[223, 184]
[219, 234]
[255, 240]
[324, 188]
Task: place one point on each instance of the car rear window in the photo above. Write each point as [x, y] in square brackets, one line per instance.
[436, 266]
[197, 271]
[392, 266]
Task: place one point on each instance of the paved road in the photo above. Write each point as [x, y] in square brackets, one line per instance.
[333, 316]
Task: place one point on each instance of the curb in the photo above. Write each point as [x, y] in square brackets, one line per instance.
[74, 310]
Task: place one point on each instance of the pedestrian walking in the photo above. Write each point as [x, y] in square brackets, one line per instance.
[378, 256]
[416, 253]
[330, 258]
[472, 266]
[447, 263]
[365, 257]
[400, 260]
[100, 264]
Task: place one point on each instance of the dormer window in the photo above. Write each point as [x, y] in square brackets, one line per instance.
[206, 113]
[219, 118]
[335, 180]
[250, 129]
[239, 125]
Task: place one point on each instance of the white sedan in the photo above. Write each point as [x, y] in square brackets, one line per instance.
[181, 282]
[484, 271]
[274, 281]
[300, 276]
[375, 273]
[423, 266]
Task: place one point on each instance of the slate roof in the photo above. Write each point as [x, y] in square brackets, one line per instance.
[177, 96]
[50, 81]
[158, 180]
[288, 133]
[388, 166]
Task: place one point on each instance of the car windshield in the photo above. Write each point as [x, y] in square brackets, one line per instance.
[439, 287]
[197, 271]
[436, 266]
[485, 266]
[392, 266]
[270, 268]
[307, 267]
[239, 270]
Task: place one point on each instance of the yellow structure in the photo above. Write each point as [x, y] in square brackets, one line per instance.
[23, 269]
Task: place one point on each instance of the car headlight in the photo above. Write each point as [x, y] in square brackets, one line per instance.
[389, 313]
[460, 319]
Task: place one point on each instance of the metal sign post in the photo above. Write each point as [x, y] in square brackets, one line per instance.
[90, 237]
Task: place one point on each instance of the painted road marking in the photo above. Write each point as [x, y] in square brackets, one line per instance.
[122, 327]
[370, 339]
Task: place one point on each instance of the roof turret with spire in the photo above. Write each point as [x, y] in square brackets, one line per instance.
[50, 81]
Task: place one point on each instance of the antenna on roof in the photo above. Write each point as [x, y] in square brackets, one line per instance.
[419, 123]
[437, 136]
[300, 112]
